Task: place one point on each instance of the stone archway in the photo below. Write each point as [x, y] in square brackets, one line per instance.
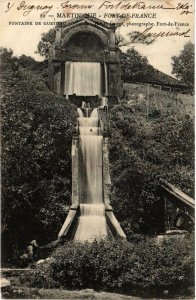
[85, 46]
[86, 40]
[67, 35]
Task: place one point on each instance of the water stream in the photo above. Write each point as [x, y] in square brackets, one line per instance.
[92, 222]
[82, 78]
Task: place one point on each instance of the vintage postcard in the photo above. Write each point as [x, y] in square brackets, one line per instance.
[97, 149]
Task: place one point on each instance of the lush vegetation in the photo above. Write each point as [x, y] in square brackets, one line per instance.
[142, 267]
[135, 67]
[36, 293]
[46, 41]
[36, 138]
[37, 130]
[183, 64]
[160, 147]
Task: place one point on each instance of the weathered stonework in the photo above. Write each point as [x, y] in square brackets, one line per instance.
[112, 222]
[104, 120]
[106, 173]
[75, 171]
[86, 40]
[67, 229]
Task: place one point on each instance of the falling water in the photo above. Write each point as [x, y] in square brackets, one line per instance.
[94, 113]
[87, 110]
[82, 78]
[91, 168]
[92, 222]
[84, 122]
[90, 131]
[80, 114]
[83, 104]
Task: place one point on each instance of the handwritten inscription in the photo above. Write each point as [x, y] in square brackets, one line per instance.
[149, 36]
[67, 4]
[184, 8]
[127, 6]
[26, 9]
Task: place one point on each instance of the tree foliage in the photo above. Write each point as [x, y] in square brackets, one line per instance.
[160, 148]
[183, 65]
[37, 128]
[46, 42]
[142, 267]
[135, 67]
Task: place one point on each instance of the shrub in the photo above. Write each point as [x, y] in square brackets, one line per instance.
[37, 127]
[142, 266]
[161, 147]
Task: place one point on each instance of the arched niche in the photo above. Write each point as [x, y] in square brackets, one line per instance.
[67, 34]
[86, 40]
[85, 46]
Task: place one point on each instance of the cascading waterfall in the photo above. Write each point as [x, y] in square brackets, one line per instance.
[82, 78]
[94, 114]
[92, 222]
[80, 113]
[88, 122]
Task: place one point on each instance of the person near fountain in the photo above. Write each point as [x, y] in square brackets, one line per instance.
[32, 250]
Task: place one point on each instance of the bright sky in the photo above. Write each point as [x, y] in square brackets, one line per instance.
[23, 39]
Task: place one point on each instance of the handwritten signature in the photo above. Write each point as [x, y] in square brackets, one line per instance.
[27, 8]
[105, 5]
[149, 37]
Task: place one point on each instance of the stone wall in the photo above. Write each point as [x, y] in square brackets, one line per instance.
[106, 173]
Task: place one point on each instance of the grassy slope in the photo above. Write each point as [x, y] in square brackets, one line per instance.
[34, 293]
[162, 147]
[161, 99]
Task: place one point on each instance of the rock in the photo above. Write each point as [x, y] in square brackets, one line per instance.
[130, 102]
[40, 261]
[176, 232]
[88, 290]
[5, 282]
[141, 96]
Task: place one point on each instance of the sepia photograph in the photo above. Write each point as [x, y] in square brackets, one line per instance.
[97, 149]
